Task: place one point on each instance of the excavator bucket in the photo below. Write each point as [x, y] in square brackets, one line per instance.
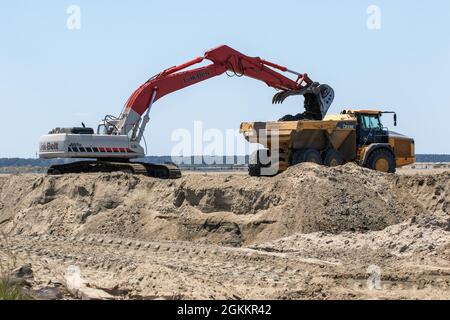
[318, 98]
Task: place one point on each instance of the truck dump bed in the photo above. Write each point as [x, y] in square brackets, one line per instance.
[338, 131]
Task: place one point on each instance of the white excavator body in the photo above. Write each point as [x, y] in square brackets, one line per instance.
[70, 145]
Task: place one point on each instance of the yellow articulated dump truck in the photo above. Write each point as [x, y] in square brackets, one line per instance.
[352, 136]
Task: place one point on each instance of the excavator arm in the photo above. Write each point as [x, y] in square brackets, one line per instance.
[224, 59]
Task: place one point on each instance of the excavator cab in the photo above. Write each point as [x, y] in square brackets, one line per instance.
[102, 129]
[107, 126]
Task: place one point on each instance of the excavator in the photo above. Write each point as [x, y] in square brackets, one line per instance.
[117, 140]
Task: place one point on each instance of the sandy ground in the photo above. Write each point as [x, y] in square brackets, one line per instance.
[309, 233]
[423, 170]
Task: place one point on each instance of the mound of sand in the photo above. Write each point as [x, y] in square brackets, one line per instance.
[231, 210]
[312, 233]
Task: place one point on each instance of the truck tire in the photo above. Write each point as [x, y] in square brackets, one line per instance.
[333, 158]
[255, 165]
[306, 155]
[381, 160]
[254, 170]
[259, 156]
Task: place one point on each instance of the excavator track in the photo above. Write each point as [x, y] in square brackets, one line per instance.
[160, 171]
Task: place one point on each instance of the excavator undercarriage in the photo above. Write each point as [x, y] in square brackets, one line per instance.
[161, 171]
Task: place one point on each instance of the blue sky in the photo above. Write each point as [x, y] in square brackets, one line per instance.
[51, 76]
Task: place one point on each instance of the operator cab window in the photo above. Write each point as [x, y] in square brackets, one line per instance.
[370, 130]
[371, 122]
[102, 129]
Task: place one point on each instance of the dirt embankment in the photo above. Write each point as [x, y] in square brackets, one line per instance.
[234, 210]
[310, 232]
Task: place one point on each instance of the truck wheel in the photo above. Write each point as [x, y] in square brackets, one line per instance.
[381, 160]
[306, 155]
[255, 165]
[254, 170]
[54, 171]
[333, 158]
[260, 157]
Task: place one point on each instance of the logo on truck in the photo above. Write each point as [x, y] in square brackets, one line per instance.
[346, 125]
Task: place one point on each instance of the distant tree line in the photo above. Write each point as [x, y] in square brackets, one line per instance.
[433, 157]
[185, 161]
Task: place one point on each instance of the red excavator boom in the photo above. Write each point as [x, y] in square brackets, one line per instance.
[224, 59]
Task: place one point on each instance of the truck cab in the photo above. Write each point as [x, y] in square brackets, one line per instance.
[378, 147]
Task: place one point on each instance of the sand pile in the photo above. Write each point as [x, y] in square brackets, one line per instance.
[231, 210]
[310, 233]
[417, 237]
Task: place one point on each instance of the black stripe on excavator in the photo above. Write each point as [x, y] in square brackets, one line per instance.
[95, 149]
